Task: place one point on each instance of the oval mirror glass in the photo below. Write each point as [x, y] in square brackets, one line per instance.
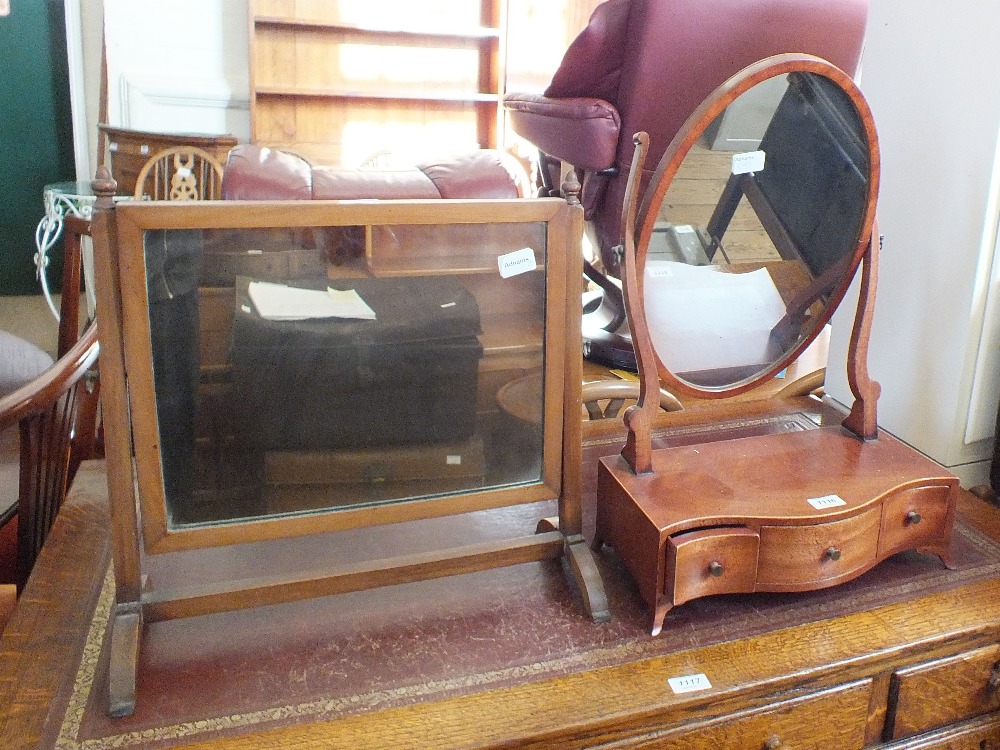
[754, 224]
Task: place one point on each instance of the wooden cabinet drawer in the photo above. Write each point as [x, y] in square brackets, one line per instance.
[793, 557]
[915, 517]
[944, 691]
[834, 718]
[712, 561]
[982, 733]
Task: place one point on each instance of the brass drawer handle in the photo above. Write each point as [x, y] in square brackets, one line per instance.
[716, 568]
[832, 553]
[774, 742]
[913, 517]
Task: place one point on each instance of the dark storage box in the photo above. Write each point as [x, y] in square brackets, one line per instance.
[407, 377]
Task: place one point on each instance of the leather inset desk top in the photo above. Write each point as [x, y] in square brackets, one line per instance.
[224, 675]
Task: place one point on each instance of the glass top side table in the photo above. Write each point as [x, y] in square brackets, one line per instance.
[60, 200]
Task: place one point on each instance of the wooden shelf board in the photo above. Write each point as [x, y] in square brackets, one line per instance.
[472, 37]
[387, 96]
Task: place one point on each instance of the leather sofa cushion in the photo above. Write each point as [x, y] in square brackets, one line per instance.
[259, 173]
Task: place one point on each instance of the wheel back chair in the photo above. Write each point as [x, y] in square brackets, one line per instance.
[56, 414]
[180, 173]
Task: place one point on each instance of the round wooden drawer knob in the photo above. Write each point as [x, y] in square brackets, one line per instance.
[913, 517]
[832, 553]
[994, 682]
[716, 568]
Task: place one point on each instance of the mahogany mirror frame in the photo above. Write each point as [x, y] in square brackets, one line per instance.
[139, 527]
[638, 224]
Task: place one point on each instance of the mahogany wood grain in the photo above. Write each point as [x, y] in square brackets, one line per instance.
[639, 419]
[863, 419]
[713, 480]
[727, 555]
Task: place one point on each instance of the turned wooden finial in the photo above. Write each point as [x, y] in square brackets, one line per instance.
[104, 186]
[571, 188]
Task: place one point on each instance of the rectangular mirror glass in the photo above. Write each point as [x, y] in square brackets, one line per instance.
[301, 370]
[290, 378]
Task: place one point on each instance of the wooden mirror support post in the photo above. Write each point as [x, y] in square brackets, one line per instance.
[127, 616]
[762, 495]
[468, 243]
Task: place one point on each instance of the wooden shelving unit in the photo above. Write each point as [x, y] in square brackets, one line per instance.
[310, 86]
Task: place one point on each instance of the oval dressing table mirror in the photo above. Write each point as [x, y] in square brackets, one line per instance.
[736, 255]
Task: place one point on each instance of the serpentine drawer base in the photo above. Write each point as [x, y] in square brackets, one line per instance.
[788, 512]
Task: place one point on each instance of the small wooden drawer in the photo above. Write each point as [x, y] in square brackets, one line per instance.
[833, 718]
[915, 517]
[796, 557]
[945, 691]
[711, 561]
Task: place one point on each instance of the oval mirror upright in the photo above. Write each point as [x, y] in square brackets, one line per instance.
[754, 224]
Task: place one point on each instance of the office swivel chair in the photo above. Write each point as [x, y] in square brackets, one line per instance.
[646, 65]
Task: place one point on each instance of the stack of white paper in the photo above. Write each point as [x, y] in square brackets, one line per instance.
[701, 318]
[280, 302]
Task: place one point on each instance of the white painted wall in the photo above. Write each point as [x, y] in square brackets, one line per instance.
[176, 67]
[925, 73]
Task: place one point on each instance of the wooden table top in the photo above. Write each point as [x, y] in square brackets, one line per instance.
[616, 684]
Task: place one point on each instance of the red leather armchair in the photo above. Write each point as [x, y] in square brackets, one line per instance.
[645, 65]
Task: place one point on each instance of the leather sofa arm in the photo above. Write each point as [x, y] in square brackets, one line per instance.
[256, 173]
[581, 131]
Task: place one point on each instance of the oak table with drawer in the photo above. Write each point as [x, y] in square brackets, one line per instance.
[131, 149]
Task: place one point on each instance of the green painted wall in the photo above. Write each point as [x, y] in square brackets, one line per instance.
[36, 135]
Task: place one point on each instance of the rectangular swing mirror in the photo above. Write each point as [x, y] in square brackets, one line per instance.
[300, 370]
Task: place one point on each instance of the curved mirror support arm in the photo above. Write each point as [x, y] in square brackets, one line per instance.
[863, 419]
[639, 418]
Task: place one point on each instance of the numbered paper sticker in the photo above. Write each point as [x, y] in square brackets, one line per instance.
[749, 161]
[689, 684]
[827, 501]
[517, 262]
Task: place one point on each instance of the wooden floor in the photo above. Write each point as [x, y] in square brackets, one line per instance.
[29, 317]
[693, 195]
